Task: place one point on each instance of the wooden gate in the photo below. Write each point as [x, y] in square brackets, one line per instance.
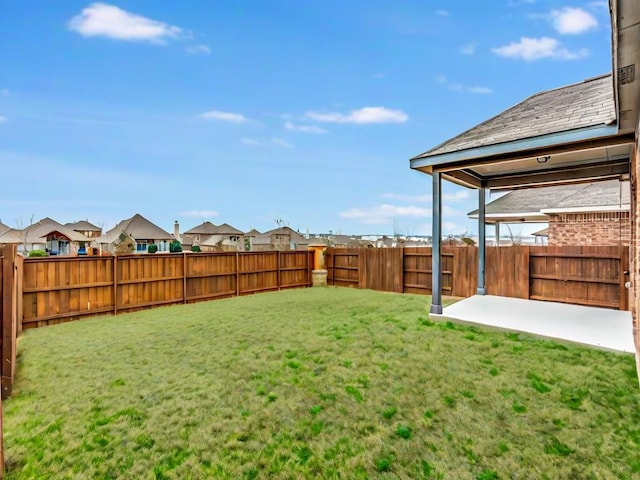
[592, 276]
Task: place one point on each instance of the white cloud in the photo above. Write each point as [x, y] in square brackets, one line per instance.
[304, 128]
[385, 214]
[479, 89]
[281, 143]
[450, 228]
[199, 213]
[379, 75]
[362, 116]
[196, 49]
[102, 20]
[572, 21]
[224, 116]
[455, 196]
[407, 198]
[250, 141]
[3, 119]
[5, 92]
[537, 48]
[442, 13]
[452, 197]
[599, 5]
[468, 49]
[459, 87]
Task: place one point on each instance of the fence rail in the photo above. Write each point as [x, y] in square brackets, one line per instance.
[593, 275]
[60, 289]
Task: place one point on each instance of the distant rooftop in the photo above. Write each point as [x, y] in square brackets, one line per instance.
[534, 204]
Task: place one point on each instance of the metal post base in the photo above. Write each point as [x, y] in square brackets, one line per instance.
[481, 291]
[437, 309]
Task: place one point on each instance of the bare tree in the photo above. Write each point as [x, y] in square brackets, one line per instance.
[516, 237]
[20, 227]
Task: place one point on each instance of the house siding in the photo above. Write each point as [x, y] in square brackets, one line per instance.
[594, 228]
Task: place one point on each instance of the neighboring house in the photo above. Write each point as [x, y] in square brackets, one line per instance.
[86, 228]
[53, 237]
[282, 238]
[9, 235]
[541, 236]
[212, 238]
[249, 237]
[134, 235]
[578, 214]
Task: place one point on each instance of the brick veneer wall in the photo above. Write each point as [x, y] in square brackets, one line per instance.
[597, 228]
[634, 249]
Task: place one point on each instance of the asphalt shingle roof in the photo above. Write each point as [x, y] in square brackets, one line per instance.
[585, 104]
[137, 227]
[610, 193]
[83, 226]
[37, 232]
[208, 228]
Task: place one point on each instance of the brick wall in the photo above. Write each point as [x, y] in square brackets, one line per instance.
[634, 250]
[597, 228]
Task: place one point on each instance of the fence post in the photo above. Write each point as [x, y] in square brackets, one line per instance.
[278, 260]
[9, 323]
[237, 273]
[527, 263]
[115, 284]
[362, 267]
[184, 277]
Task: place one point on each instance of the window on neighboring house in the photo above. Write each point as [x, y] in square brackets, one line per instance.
[163, 246]
[141, 245]
[234, 238]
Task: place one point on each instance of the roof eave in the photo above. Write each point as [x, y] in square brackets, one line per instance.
[592, 209]
[520, 145]
[532, 217]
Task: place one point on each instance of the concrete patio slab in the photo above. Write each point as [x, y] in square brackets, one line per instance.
[597, 327]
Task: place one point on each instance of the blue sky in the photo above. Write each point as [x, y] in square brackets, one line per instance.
[247, 112]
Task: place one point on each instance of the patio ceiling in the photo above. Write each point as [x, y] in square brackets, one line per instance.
[578, 133]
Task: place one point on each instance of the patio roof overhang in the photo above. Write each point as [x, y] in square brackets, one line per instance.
[578, 155]
[580, 133]
[600, 150]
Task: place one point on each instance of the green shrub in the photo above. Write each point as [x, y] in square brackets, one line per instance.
[195, 248]
[175, 246]
[37, 253]
[153, 248]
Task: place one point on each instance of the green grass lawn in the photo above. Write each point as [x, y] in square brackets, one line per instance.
[315, 383]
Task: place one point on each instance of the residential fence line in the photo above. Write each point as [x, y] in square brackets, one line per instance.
[60, 289]
[584, 275]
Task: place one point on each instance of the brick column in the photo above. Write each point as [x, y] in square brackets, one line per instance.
[634, 249]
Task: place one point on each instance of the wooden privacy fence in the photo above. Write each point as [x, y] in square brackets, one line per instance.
[11, 308]
[59, 289]
[592, 276]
